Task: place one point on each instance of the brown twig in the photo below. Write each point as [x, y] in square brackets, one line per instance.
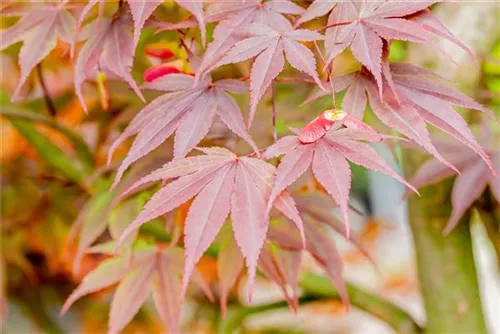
[273, 89]
[48, 100]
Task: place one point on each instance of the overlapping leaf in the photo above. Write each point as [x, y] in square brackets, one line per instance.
[39, 30]
[365, 25]
[328, 155]
[142, 9]
[423, 97]
[189, 110]
[110, 49]
[269, 47]
[222, 183]
[475, 175]
[152, 271]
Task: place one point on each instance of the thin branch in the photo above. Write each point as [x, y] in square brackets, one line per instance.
[317, 288]
[343, 23]
[46, 95]
[294, 80]
[273, 89]
[327, 69]
[393, 315]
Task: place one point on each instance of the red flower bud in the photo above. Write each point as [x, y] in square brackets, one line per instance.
[157, 71]
[159, 50]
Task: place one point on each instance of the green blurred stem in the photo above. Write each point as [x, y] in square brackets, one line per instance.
[318, 288]
[81, 147]
[391, 314]
[52, 154]
[446, 268]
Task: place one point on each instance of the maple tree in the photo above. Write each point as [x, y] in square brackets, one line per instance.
[216, 186]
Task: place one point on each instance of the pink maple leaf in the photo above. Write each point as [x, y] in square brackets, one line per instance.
[109, 49]
[142, 9]
[222, 183]
[188, 109]
[412, 97]
[328, 155]
[365, 25]
[476, 174]
[39, 31]
[269, 47]
[152, 271]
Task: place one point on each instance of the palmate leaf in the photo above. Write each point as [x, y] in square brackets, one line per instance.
[239, 185]
[110, 49]
[39, 31]
[142, 9]
[328, 155]
[423, 97]
[470, 184]
[189, 110]
[365, 25]
[151, 271]
[269, 47]
[232, 17]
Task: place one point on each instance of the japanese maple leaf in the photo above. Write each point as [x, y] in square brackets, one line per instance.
[188, 109]
[281, 266]
[152, 271]
[423, 97]
[142, 9]
[109, 49]
[470, 184]
[365, 25]
[38, 29]
[232, 16]
[268, 46]
[327, 151]
[281, 262]
[222, 183]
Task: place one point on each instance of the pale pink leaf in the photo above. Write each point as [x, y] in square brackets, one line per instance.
[229, 267]
[170, 197]
[365, 155]
[230, 114]
[284, 145]
[301, 58]
[177, 168]
[291, 167]
[141, 11]
[171, 82]
[167, 294]
[324, 251]
[367, 48]
[266, 67]
[206, 216]
[249, 222]
[466, 190]
[316, 9]
[332, 170]
[195, 7]
[130, 295]
[108, 272]
[193, 127]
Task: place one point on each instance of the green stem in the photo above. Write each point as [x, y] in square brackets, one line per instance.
[237, 315]
[446, 268]
[81, 147]
[317, 288]
[400, 320]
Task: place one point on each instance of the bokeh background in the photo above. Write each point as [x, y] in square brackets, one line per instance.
[46, 194]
